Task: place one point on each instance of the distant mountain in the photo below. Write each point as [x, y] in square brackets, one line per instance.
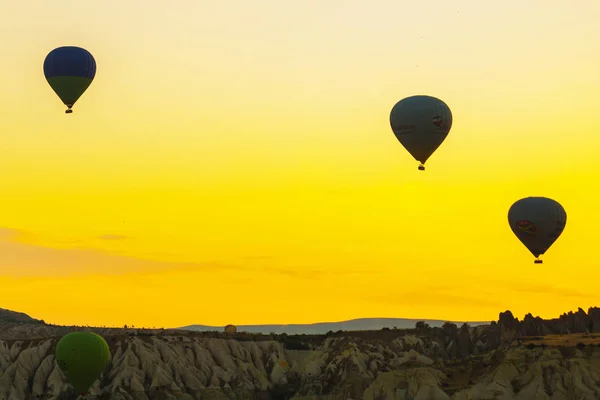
[361, 324]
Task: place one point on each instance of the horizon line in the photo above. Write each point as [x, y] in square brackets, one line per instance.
[342, 321]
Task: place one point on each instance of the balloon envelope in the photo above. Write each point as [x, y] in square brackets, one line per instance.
[82, 356]
[537, 222]
[69, 71]
[421, 123]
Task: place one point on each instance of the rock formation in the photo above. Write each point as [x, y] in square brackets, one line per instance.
[451, 362]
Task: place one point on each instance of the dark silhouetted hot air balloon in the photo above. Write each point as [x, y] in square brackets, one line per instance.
[421, 123]
[537, 222]
[82, 356]
[69, 71]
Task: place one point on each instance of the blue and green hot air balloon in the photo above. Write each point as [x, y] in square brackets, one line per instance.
[69, 70]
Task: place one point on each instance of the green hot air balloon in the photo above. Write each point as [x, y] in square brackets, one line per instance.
[537, 222]
[82, 356]
[421, 123]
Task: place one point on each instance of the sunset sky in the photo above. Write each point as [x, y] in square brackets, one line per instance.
[232, 162]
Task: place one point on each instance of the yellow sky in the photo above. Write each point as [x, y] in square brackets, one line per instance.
[232, 161]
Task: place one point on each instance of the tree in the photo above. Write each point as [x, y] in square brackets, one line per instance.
[421, 325]
[449, 325]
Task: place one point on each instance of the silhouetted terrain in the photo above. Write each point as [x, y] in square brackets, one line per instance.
[321, 328]
[508, 359]
[8, 317]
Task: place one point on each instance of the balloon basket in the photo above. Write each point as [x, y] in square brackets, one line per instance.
[421, 168]
[69, 111]
[538, 262]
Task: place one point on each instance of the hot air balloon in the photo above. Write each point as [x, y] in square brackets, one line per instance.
[69, 71]
[82, 356]
[537, 222]
[421, 123]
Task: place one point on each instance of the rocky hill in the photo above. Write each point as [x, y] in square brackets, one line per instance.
[509, 359]
[8, 317]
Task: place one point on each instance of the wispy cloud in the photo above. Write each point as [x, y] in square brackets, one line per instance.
[313, 273]
[20, 258]
[426, 296]
[554, 291]
[306, 274]
[257, 257]
[113, 237]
